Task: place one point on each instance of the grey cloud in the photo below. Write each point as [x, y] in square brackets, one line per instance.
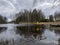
[10, 7]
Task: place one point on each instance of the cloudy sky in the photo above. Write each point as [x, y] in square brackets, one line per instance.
[10, 7]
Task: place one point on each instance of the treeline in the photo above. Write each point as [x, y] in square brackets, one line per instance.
[2, 20]
[31, 16]
[28, 16]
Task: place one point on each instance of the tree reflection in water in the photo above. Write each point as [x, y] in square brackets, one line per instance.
[59, 41]
[31, 32]
[2, 29]
[57, 32]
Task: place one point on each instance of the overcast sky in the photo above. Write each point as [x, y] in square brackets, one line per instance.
[10, 7]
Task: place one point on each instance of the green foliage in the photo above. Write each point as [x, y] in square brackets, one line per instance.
[44, 20]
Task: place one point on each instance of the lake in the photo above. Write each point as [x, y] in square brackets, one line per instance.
[10, 34]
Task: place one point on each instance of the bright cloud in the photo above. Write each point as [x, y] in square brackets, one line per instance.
[10, 7]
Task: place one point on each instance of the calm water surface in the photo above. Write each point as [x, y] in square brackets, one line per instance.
[13, 35]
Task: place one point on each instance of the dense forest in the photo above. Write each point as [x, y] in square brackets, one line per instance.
[31, 16]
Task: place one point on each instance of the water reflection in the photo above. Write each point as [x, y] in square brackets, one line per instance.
[2, 29]
[29, 31]
[42, 35]
[29, 35]
[59, 41]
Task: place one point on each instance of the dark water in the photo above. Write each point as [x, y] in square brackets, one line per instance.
[29, 35]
